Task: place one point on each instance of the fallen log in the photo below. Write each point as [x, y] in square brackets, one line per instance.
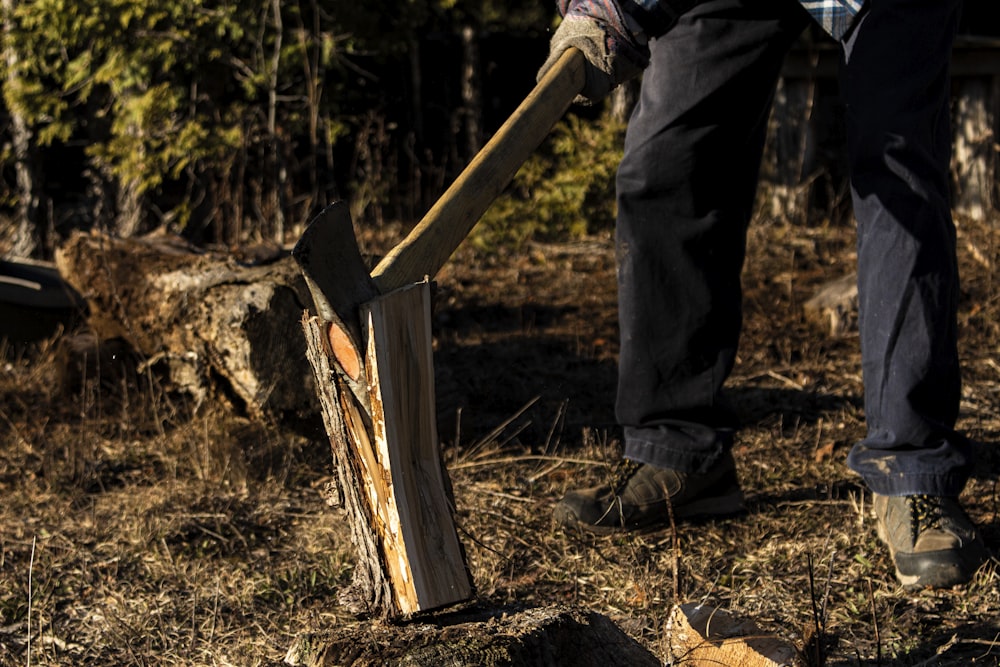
[217, 327]
[834, 306]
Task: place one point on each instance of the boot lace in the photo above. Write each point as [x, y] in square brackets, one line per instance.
[925, 514]
[624, 472]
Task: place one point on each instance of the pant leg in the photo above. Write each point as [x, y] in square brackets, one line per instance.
[896, 89]
[686, 188]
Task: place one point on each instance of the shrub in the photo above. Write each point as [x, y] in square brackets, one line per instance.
[565, 191]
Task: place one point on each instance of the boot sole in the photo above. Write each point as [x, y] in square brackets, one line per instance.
[934, 569]
[726, 505]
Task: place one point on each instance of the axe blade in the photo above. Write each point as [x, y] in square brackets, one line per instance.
[335, 272]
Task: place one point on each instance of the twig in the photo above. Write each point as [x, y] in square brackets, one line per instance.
[13, 427]
[786, 380]
[941, 650]
[31, 570]
[503, 443]
[194, 623]
[992, 644]
[499, 429]
[878, 637]
[215, 613]
[518, 459]
[826, 591]
[676, 546]
[560, 417]
[817, 620]
[545, 472]
[500, 494]
[458, 428]
[13, 628]
[503, 556]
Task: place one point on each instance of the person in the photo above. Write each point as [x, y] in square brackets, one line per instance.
[685, 191]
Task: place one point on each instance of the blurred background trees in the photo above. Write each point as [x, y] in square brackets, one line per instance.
[234, 123]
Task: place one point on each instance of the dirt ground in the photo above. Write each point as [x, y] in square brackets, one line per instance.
[135, 533]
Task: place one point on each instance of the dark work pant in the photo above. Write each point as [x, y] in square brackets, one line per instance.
[686, 189]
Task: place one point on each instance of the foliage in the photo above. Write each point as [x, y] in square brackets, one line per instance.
[124, 75]
[566, 190]
[247, 110]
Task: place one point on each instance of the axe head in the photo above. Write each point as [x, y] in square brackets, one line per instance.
[336, 274]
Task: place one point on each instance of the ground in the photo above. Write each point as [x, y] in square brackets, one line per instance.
[133, 532]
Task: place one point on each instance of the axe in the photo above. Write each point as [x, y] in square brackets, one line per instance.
[372, 333]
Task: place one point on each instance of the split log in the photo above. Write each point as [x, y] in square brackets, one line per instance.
[388, 462]
[700, 635]
[834, 307]
[546, 637]
[216, 326]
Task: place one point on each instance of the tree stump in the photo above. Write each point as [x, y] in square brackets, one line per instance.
[544, 637]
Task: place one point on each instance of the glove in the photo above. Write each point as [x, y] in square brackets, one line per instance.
[612, 42]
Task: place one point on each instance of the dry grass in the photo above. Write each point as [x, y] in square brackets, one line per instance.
[132, 533]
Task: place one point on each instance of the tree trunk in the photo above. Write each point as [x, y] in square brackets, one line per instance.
[623, 100]
[790, 154]
[129, 208]
[974, 153]
[27, 239]
[275, 155]
[472, 104]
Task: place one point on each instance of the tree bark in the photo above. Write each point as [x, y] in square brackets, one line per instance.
[789, 157]
[129, 203]
[345, 418]
[624, 99]
[28, 238]
[275, 157]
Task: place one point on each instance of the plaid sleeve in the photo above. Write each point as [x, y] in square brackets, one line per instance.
[835, 16]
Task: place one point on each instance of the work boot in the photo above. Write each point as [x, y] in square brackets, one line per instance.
[641, 496]
[930, 538]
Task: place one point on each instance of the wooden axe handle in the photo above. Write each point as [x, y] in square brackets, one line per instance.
[429, 245]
